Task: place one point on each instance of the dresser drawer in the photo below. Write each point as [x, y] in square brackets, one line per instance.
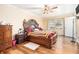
[1, 38]
[1, 35]
[8, 43]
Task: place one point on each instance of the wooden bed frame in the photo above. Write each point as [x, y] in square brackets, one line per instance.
[41, 37]
[42, 40]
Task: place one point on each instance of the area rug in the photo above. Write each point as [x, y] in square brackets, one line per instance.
[31, 45]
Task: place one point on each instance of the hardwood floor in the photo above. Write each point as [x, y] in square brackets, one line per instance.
[62, 46]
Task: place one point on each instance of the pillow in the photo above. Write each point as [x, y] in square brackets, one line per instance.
[29, 29]
[51, 34]
[36, 29]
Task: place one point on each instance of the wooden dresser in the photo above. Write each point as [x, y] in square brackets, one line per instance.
[5, 36]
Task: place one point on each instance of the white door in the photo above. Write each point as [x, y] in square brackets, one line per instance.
[69, 26]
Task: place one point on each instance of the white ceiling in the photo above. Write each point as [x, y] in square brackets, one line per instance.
[62, 9]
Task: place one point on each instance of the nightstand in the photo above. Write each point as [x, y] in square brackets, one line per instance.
[20, 38]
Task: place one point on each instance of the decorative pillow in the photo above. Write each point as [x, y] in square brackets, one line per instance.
[29, 29]
[51, 34]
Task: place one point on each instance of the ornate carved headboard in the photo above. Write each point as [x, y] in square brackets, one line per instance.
[29, 23]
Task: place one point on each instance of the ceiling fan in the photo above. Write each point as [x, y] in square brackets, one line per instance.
[45, 9]
[48, 9]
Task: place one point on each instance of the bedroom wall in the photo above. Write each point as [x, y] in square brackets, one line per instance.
[45, 22]
[14, 16]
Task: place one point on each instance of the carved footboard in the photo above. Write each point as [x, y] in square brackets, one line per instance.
[43, 40]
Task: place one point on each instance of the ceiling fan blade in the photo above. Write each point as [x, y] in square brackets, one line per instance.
[54, 7]
[32, 8]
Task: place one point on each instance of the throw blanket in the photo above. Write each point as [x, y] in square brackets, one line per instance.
[43, 33]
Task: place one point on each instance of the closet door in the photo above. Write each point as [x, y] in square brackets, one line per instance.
[69, 26]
